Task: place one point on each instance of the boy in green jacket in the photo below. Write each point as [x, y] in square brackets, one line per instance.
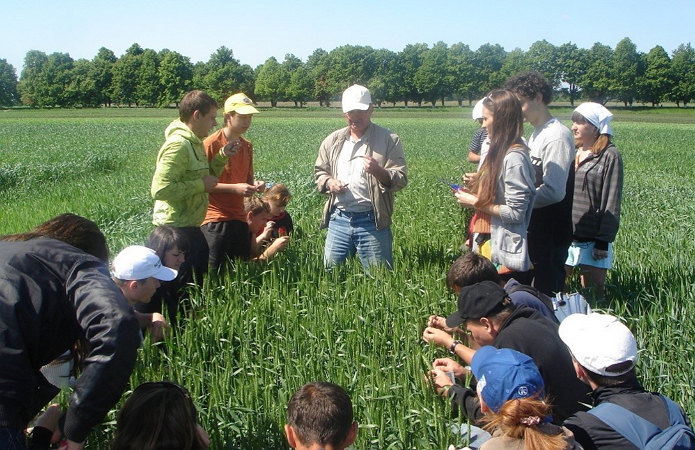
[183, 178]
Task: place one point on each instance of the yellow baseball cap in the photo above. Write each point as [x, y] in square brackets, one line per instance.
[239, 103]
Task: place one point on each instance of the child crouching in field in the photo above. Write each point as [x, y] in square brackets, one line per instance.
[257, 212]
[320, 415]
[278, 196]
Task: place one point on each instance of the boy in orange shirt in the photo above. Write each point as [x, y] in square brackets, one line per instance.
[225, 227]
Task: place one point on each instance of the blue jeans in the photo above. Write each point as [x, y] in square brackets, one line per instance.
[12, 439]
[350, 233]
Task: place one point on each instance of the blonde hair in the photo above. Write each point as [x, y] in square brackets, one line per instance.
[519, 419]
[278, 194]
[256, 205]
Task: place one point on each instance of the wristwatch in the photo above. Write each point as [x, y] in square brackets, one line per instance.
[452, 349]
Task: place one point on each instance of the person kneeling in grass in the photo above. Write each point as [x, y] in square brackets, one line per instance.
[490, 318]
[257, 214]
[511, 393]
[319, 416]
[137, 271]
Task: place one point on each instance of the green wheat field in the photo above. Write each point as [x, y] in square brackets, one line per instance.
[255, 337]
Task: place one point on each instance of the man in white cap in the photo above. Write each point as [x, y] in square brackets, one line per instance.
[225, 227]
[604, 353]
[359, 167]
[137, 271]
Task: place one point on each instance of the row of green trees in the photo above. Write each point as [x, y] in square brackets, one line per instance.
[417, 74]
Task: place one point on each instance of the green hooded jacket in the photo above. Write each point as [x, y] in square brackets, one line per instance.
[177, 184]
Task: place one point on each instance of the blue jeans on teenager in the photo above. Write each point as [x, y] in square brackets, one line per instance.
[350, 233]
[12, 439]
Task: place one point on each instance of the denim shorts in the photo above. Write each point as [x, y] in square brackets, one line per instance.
[582, 254]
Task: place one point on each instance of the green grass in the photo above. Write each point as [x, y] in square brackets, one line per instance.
[257, 336]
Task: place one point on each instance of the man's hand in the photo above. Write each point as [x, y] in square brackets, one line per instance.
[210, 182]
[259, 185]
[439, 322]
[267, 232]
[373, 167]
[437, 337]
[158, 327]
[49, 420]
[280, 243]
[244, 189]
[204, 437]
[600, 254]
[336, 186]
[440, 381]
[449, 365]
[232, 148]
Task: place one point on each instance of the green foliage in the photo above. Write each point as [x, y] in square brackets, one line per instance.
[147, 90]
[8, 84]
[571, 62]
[683, 62]
[175, 73]
[658, 76]
[124, 89]
[144, 77]
[544, 59]
[596, 81]
[627, 67]
[256, 335]
[271, 81]
[432, 78]
[488, 61]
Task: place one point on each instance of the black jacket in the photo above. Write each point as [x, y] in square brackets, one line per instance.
[527, 331]
[51, 295]
[593, 433]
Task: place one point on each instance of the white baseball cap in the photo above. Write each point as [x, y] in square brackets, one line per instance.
[478, 110]
[598, 341]
[137, 263]
[356, 97]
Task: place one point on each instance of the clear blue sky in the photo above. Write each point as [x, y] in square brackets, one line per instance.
[258, 29]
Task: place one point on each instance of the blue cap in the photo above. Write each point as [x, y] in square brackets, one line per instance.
[505, 374]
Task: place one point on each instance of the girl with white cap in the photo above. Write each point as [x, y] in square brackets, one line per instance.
[598, 188]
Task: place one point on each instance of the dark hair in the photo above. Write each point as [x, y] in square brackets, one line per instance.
[507, 130]
[602, 140]
[157, 416]
[195, 101]
[470, 269]
[510, 418]
[255, 205]
[165, 237]
[72, 229]
[530, 85]
[609, 381]
[278, 193]
[320, 413]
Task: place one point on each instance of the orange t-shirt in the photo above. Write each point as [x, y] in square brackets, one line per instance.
[239, 169]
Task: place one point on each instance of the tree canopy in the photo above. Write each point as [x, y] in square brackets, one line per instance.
[418, 73]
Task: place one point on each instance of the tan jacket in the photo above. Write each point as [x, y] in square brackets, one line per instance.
[382, 145]
[499, 442]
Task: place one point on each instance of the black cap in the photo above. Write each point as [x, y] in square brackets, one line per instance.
[476, 301]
